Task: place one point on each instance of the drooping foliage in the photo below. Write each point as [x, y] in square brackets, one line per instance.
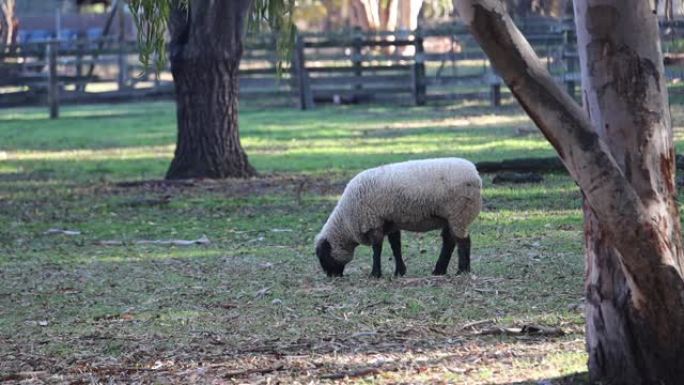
[152, 16]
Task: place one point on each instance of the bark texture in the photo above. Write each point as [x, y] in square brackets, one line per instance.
[626, 99]
[205, 53]
[623, 161]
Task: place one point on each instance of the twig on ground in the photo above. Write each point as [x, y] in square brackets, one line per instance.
[19, 376]
[532, 330]
[203, 240]
[353, 373]
[246, 372]
[473, 324]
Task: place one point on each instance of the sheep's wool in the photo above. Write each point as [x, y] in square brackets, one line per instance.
[417, 195]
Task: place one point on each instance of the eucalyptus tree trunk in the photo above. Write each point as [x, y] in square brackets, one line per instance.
[8, 22]
[621, 155]
[205, 53]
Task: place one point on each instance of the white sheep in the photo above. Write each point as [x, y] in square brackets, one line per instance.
[418, 195]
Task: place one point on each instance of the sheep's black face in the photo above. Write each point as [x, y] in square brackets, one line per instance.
[331, 266]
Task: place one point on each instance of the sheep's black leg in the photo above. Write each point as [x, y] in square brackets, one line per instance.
[377, 251]
[448, 245]
[463, 254]
[395, 242]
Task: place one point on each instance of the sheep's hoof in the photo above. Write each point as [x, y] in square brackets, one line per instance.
[400, 271]
[463, 271]
[376, 274]
[439, 272]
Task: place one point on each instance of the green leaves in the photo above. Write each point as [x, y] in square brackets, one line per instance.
[152, 17]
[276, 15]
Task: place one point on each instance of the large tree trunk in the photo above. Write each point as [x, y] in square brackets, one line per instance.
[206, 48]
[625, 93]
[623, 161]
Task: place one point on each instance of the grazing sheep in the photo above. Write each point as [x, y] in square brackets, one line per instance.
[420, 196]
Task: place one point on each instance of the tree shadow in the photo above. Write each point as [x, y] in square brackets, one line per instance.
[581, 378]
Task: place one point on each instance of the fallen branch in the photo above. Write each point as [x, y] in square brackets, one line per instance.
[472, 325]
[20, 376]
[203, 240]
[246, 372]
[352, 373]
[61, 231]
[531, 330]
[522, 165]
[517, 177]
[551, 164]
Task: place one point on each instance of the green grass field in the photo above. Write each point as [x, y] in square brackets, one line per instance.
[253, 306]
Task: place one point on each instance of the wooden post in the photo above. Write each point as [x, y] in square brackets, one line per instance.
[53, 80]
[306, 101]
[495, 94]
[419, 70]
[570, 76]
[494, 82]
[80, 47]
[357, 62]
[123, 63]
[569, 64]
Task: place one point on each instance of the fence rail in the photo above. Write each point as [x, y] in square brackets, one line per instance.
[419, 67]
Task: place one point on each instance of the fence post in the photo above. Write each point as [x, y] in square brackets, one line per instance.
[53, 80]
[306, 101]
[123, 64]
[357, 45]
[570, 80]
[419, 86]
[495, 93]
[569, 63]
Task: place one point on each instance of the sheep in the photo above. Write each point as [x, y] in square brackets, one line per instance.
[417, 196]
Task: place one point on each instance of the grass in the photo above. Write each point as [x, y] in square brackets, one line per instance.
[253, 305]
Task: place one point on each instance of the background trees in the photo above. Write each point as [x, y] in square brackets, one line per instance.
[622, 157]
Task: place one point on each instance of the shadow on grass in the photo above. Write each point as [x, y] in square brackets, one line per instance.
[581, 378]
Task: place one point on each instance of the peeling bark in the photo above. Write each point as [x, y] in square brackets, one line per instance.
[205, 53]
[623, 161]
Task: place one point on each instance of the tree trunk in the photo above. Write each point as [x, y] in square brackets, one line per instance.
[625, 95]
[623, 161]
[205, 53]
[8, 22]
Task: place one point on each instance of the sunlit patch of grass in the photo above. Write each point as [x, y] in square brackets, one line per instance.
[6, 168]
[127, 153]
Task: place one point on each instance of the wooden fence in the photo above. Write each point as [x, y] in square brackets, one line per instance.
[416, 67]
